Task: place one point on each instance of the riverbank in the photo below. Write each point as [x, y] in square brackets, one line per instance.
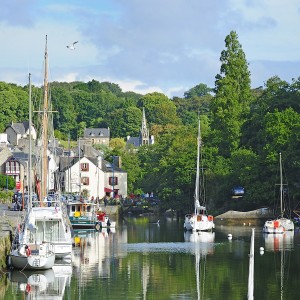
[254, 217]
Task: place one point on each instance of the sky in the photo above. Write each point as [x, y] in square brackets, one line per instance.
[144, 46]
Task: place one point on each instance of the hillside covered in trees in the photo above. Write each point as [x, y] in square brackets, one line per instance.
[243, 131]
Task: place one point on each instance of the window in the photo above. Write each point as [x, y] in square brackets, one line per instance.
[113, 180]
[85, 167]
[85, 180]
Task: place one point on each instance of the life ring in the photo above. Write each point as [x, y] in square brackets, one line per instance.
[27, 251]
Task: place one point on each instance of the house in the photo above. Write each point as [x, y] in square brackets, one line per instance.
[96, 136]
[144, 138]
[92, 176]
[16, 166]
[18, 131]
[3, 139]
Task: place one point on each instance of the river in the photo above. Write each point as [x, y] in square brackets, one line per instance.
[144, 259]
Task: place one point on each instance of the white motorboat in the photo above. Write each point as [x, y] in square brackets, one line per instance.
[33, 257]
[104, 220]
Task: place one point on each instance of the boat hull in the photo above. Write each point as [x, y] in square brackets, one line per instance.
[278, 226]
[33, 262]
[83, 223]
[273, 227]
[199, 223]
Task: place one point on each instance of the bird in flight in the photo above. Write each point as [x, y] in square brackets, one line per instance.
[72, 47]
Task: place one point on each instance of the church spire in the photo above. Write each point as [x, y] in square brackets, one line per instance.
[144, 135]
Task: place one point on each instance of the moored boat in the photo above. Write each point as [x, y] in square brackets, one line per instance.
[33, 256]
[31, 253]
[82, 214]
[199, 220]
[104, 220]
[281, 224]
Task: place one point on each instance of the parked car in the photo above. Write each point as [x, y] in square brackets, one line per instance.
[238, 191]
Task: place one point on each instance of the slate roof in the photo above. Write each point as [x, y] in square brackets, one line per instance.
[20, 128]
[66, 162]
[133, 141]
[96, 132]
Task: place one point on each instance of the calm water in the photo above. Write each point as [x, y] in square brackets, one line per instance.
[144, 260]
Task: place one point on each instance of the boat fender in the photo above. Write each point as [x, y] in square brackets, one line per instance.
[27, 250]
[98, 226]
[28, 288]
[210, 218]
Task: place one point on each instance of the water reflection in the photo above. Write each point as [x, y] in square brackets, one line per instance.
[279, 242]
[141, 260]
[42, 284]
[204, 241]
[203, 245]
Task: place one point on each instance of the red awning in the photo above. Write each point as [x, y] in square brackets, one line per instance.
[107, 190]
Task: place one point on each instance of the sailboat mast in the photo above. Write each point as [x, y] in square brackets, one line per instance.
[30, 148]
[281, 186]
[198, 167]
[45, 129]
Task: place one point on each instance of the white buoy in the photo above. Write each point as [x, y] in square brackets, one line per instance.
[261, 249]
[244, 224]
[229, 236]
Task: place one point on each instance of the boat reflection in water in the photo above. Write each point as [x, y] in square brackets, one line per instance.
[204, 241]
[281, 245]
[280, 241]
[46, 284]
[203, 245]
[93, 251]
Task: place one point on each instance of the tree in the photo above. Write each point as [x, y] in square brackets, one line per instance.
[230, 107]
[125, 121]
[159, 109]
[198, 91]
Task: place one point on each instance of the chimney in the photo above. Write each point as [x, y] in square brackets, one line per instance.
[118, 162]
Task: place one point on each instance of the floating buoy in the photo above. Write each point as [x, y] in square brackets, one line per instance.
[261, 249]
[244, 224]
[229, 236]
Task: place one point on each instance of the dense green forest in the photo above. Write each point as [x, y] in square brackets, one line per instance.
[243, 132]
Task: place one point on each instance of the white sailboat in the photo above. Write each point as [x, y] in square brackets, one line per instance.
[31, 254]
[199, 220]
[48, 219]
[282, 224]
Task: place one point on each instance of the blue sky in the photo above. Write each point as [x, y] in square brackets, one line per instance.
[167, 46]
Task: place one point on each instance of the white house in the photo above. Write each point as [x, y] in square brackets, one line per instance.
[3, 139]
[93, 176]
